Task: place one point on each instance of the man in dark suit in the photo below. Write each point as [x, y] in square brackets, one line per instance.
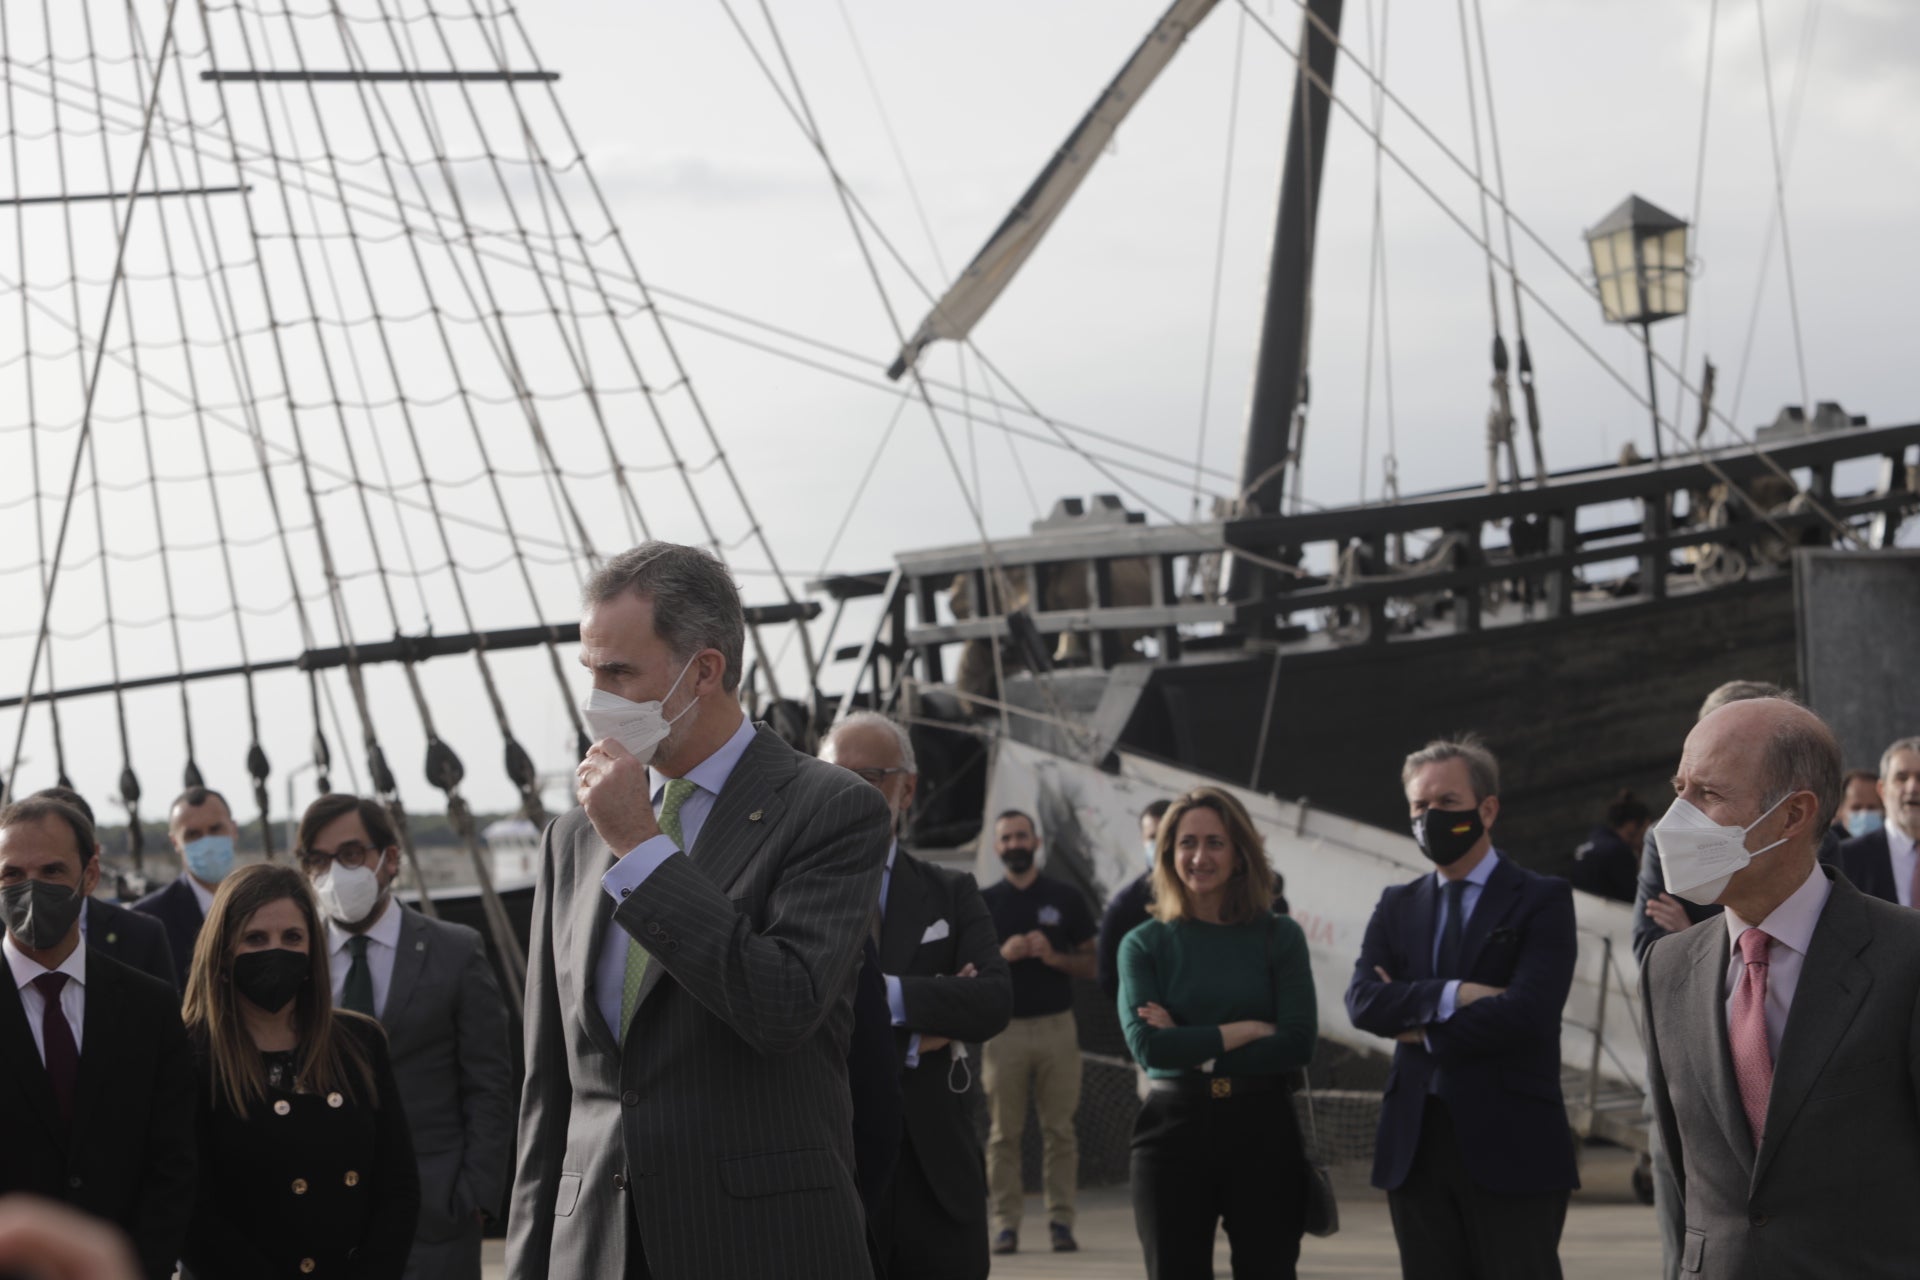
[947, 986]
[135, 940]
[201, 829]
[691, 973]
[82, 1127]
[430, 984]
[1468, 969]
[1783, 1039]
[1884, 862]
[1127, 909]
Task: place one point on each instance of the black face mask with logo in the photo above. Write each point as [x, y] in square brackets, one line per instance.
[1446, 835]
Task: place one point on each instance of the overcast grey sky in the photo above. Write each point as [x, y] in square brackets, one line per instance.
[724, 206]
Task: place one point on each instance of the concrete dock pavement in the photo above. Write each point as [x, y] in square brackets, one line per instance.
[1609, 1235]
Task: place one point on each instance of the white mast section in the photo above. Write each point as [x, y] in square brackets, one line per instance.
[994, 267]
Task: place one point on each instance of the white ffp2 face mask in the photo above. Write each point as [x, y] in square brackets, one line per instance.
[1698, 856]
[349, 894]
[640, 727]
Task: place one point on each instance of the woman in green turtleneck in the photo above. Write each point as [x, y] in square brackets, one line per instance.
[1216, 998]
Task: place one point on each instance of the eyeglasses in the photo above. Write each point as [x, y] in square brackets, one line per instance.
[349, 853]
[875, 777]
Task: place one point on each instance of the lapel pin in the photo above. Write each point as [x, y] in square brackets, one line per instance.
[755, 815]
[112, 938]
[420, 946]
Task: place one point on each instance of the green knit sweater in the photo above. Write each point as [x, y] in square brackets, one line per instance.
[1206, 975]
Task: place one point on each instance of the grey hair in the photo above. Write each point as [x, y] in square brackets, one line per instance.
[1803, 755]
[1483, 770]
[1909, 745]
[1743, 691]
[695, 602]
[874, 720]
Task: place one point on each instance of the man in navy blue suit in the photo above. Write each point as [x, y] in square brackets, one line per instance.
[1885, 862]
[1468, 968]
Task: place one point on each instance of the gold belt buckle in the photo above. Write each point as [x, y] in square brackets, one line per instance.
[1222, 1088]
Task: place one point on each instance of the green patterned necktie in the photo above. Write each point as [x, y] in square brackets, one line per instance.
[357, 994]
[678, 791]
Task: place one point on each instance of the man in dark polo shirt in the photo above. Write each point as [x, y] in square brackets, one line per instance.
[1046, 934]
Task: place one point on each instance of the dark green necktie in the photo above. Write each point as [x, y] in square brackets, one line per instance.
[678, 792]
[357, 995]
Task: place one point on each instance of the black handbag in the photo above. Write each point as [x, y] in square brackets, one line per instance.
[1322, 1215]
[1321, 1212]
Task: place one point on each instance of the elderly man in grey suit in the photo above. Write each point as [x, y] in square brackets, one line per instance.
[431, 986]
[690, 980]
[1783, 1037]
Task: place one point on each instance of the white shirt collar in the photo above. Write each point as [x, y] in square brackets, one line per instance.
[385, 931]
[1792, 922]
[1479, 875]
[1899, 844]
[26, 968]
[711, 774]
[201, 894]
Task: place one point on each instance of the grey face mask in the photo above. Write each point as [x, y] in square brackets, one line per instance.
[39, 913]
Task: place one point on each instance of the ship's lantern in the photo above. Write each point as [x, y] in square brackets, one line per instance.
[1639, 263]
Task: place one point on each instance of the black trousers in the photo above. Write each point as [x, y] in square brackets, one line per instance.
[1449, 1229]
[1201, 1162]
[917, 1238]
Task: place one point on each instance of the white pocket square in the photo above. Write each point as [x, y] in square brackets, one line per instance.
[935, 931]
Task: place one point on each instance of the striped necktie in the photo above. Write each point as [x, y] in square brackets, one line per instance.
[679, 790]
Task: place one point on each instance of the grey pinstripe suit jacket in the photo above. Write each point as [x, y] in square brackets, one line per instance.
[718, 1133]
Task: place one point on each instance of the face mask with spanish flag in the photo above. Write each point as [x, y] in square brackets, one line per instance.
[1445, 835]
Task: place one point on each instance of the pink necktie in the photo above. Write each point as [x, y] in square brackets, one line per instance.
[1747, 1033]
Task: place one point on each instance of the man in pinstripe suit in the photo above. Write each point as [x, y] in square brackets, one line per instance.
[696, 931]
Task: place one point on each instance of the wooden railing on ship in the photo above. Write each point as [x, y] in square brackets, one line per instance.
[1544, 569]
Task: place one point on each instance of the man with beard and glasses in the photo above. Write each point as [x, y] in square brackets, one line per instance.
[1046, 937]
[1468, 969]
[697, 928]
[83, 1124]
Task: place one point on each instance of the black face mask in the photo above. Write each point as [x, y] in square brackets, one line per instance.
[1018, 861]
[40, 913]
[271, 979]
[1445, 835]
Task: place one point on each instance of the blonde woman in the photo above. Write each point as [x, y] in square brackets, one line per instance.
[1216, 998]
[305, 1163]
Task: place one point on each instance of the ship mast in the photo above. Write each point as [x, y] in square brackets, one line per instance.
[1274, 425]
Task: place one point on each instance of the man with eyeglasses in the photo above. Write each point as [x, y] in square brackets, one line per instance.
[947, 986]
[430, 984]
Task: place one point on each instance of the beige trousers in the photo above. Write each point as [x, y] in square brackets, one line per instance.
[1036, 1058]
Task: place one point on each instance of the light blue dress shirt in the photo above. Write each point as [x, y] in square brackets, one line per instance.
[896, 999]
[630, 872]
[1469, 898]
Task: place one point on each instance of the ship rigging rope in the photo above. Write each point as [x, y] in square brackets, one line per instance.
[995, 578]
[1812, 503]
[1219, 262]
[1377, 308]
[852, 199]
[80, 445]
[256, 757]
[1523, 363]
[26, 335]
[224, 308]
[694, 399]
[1780, 203]
[1699, 199]
[1809, 29]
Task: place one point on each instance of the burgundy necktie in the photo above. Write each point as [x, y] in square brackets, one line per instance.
[63, 1056]
[1747, 1032]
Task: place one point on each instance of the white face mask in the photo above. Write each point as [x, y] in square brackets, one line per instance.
[640, 727]
[1698, 856]
[1149, 847]
[349, 894]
